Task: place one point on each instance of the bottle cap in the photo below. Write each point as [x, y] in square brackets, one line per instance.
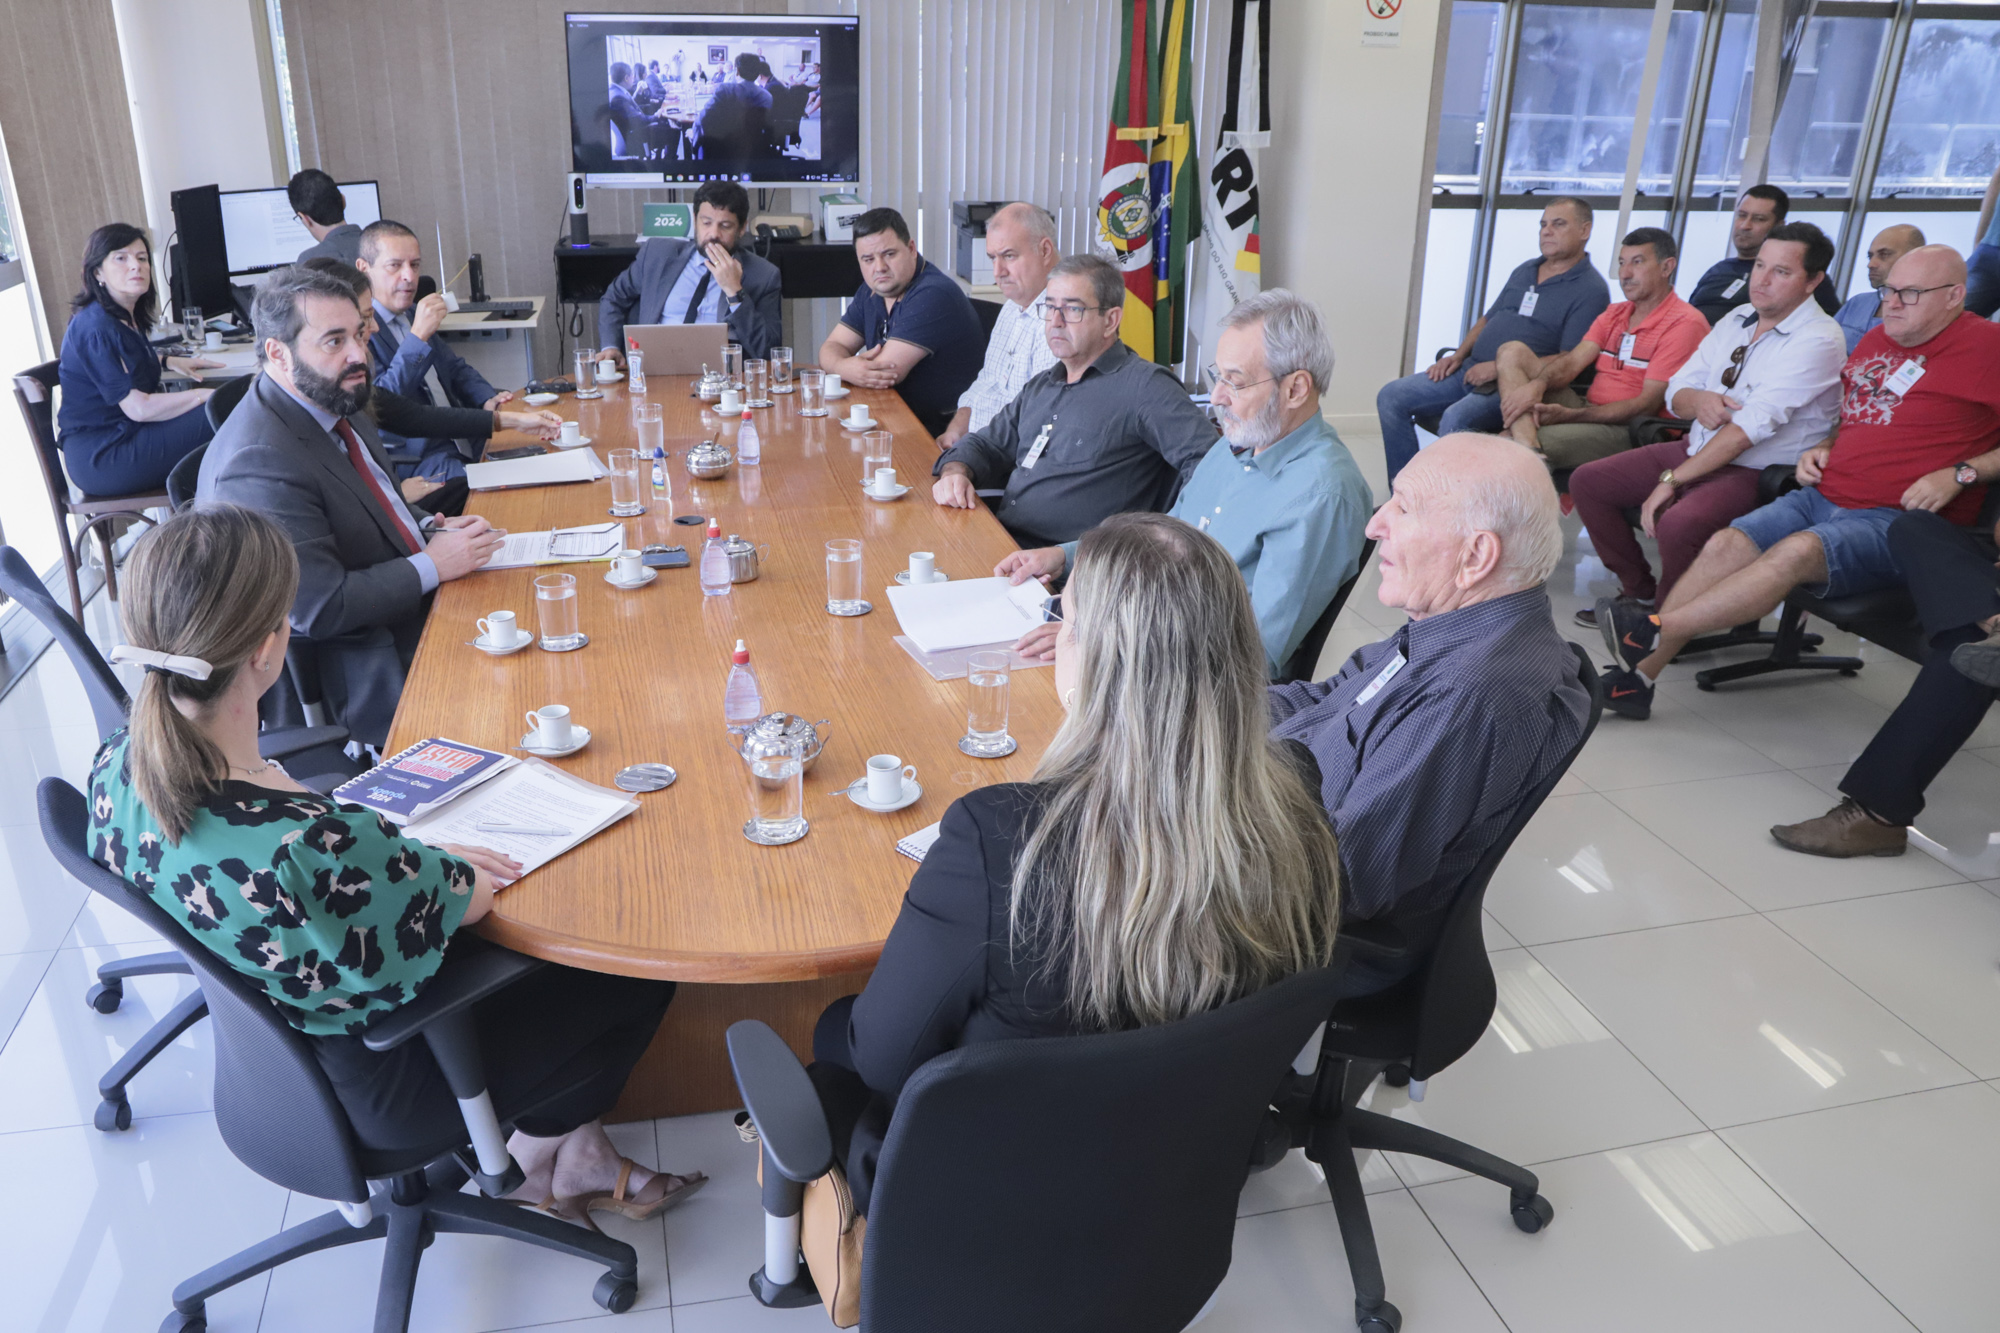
[746, 414]
[714, 530]
[742, 655]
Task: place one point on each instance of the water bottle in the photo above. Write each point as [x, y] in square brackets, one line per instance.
[714, 564]
[635, 367]
[748, 447]
[742, 700]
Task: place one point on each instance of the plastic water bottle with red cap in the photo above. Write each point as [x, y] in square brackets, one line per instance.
[742, 700]
[714, 563]
[749, 448]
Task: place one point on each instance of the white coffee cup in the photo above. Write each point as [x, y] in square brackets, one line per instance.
[923, 566]
[572, 433]
[607, 370]
[858, 414]
[213, 342]
[832, 383]
[731, 404]
[886, 775]
[885, 481]
[550, 726]
[629, 566]
[497, 629]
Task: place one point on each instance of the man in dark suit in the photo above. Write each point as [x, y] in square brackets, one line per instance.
[624, 113]
[736, 124]
[703, 281]
[301, 450]
[410, 358]
[322, 208]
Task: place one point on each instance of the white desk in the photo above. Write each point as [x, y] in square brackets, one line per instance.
[503, 350]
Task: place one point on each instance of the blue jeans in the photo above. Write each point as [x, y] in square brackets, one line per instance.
[1402, 401]
[1855, 541]
[441, 461]
[1982, 280]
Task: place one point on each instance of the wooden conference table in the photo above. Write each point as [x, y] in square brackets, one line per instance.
[675, 890]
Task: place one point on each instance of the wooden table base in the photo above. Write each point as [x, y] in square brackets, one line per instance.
[686, 1069]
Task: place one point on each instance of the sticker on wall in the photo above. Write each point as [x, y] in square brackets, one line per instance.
[1382, 22]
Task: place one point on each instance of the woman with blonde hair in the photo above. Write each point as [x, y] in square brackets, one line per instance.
[325, 905]
[1166, 858]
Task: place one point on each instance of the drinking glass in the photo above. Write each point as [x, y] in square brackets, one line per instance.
[777, 796]
[781, 370]
[732, 363]
[650, 427]
[987, 678]
[844, 578]
[191, 326]
[628, 494]
[812, 393]
[635, 371]
[874, 454]
[586, 375]
[756, 377]
[555, 604]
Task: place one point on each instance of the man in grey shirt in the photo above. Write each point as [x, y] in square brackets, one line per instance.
[322, 210]
[1101, 432]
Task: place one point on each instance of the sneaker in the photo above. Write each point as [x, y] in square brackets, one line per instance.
[1628, 694]
[1845, 830]
[1630, 630]
[1587, 617]
[1979, 661]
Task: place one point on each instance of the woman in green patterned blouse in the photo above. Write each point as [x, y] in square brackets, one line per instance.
[327, 906]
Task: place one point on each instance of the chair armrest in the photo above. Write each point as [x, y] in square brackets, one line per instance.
[781, 1101]
[1775, 480]
[1652, 430]
[1378, 940]
[473, 970]
[280, 742]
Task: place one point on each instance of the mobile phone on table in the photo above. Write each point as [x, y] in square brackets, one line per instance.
[664, 557]
[524, 451]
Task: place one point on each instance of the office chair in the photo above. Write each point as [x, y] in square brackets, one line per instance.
[1085, 1183]
[224, 400]
[34, 394]
[1408, 1033]
[184, 476]
[1303, 662]
[277, 1112]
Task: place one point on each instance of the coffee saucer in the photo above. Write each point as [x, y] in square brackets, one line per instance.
[522, 638]
[857, 792]
[581, 440]
[760, 402]
[848, 423]
[610, 577]
[896, 494]
[937, 576]
[579, 737]
[841, 392]
[612, 378]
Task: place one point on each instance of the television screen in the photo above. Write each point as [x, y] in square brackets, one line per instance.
[260, 231]
[673, 99]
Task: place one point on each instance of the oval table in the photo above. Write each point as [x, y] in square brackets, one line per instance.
[675, 890]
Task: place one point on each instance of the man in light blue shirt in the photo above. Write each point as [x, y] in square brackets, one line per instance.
[1278, 490]
[1863, 311]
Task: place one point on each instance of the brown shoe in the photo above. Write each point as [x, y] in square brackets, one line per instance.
[1845, 830]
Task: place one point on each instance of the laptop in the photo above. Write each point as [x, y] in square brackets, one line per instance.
[678, 349]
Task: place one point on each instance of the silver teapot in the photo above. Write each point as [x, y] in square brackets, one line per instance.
[708, 460]
[775, 733]
[711, 384]
[743, 557]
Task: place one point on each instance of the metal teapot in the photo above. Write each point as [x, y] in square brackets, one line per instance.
[708, 460]
[774, 733]
[711, 384]
[743, 557]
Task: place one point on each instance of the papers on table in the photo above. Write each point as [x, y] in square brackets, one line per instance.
[917, 845]
[539, 470]
[965, 613]
[533, 794]
[596, 541]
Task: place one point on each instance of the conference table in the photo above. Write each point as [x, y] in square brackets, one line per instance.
[675, 890]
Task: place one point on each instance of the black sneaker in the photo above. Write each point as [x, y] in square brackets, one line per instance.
[1587, 617]
[1629, 630]
[1979, 661]
[1628, 694]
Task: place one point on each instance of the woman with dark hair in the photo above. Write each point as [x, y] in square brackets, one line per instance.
[120, 435]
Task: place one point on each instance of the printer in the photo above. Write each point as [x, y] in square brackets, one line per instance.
[968, 238]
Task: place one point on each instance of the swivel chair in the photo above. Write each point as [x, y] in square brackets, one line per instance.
[185, 475]
[1305, 660]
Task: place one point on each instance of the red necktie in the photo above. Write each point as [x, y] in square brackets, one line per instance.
[358, 455]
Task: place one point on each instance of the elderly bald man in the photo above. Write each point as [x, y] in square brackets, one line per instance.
[1427, 740]
[1863, 310]
[1919, 428]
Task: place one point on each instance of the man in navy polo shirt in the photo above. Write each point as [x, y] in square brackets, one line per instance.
[1548, 303]
[910, 328]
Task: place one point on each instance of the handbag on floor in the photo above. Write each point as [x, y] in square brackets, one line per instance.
[831, 1234]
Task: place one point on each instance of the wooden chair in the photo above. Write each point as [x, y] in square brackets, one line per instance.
[35, 392]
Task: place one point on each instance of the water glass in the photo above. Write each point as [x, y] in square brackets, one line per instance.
[987, 678]
[844, 578]
[628, 482]
[555, 604]
[756, 376]
[777, 796]
[812, 393]
[649, 427]
[191, 326]
[875, 455]
[732, 363]
[586, 374]
[781, 370]
[635, 371]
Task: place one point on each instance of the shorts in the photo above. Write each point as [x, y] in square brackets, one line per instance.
[1856, 541]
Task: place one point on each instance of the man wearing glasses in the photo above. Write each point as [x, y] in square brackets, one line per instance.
[1919, 429]
[1762, 387]
[1101, 432]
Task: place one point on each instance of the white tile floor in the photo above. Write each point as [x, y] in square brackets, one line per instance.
[1752, 1083]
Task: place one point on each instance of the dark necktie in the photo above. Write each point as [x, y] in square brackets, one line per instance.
[357, 455]
[694, 302]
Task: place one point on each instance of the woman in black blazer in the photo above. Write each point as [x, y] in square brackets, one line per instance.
[1166, 858]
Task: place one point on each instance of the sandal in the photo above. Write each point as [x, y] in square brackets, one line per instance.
[662, 1192]
[566, 1210]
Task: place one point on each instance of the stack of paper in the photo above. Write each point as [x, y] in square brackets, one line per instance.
[539, 470]
[596, 541]
[967, 612]
[563, 810]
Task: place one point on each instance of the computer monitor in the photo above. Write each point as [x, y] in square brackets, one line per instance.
[261, 231]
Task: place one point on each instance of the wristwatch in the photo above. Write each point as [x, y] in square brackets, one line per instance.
[1965, 475]
[1667, 477]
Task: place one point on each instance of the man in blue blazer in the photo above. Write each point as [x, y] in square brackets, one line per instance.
[703, 281]
[410, 358]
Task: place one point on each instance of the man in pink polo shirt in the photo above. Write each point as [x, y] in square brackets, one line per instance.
[1636, 345]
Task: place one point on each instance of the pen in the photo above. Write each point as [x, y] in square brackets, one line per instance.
[485, 826]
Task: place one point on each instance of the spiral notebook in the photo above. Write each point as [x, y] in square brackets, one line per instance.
[917, 844]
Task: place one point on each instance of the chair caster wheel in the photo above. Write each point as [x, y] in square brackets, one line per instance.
[1384, 1318]
[1533, 1215]
[113, 1116]
[176, 1322]
[105, 996]
[1397, 1076]
[614, 1293]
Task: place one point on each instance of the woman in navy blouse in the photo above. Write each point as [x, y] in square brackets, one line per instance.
[120, 435]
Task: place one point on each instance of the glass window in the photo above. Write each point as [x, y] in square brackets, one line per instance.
[1944, 128]
[1468, 91]
[1441, 315]
[1705, 242]
[1517, 231]
[25, 520]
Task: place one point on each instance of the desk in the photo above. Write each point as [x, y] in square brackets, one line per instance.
[503, 350]
[676, 891]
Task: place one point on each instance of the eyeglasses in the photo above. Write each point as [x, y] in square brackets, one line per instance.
[1233, 382]
[1066, 312]
[1735, 366]
[1912, 295]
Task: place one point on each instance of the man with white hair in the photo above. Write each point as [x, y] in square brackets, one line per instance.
[1021, 243]
[1428, 741]
[1279, 490]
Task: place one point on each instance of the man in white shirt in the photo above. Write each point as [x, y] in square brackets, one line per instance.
[1021, 242]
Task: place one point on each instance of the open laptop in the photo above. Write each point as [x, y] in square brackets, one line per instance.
[678, 349]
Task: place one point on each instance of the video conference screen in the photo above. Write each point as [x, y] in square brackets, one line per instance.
[673, 99]
[260, 231]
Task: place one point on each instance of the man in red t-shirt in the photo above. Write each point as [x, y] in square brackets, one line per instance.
[1919, 429]
[1636, 345]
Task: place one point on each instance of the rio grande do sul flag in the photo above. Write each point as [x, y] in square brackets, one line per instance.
[1124, 205]
[1229, 204]
[1175, 185]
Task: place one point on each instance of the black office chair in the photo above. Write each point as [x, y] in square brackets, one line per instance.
[182, 479]
[223, 401]
[1303, 662]
[1085, 1183]
[277, 1112]
[1408, 1033]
